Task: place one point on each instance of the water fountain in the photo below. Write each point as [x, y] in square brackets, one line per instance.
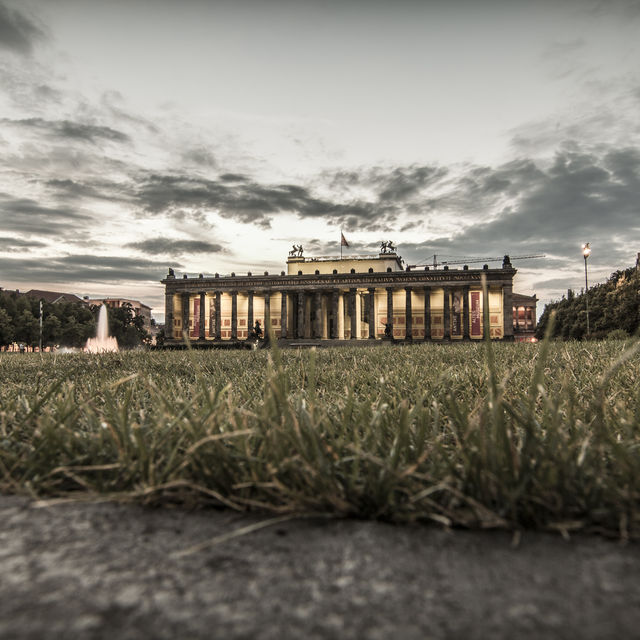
[103, 342]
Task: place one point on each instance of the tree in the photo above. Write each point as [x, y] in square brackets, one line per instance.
[73, 334]
[160, 337]
[27, 329]
[613, 305]
[7, 329]
[51, 331]
[127, 327]
[66, 323]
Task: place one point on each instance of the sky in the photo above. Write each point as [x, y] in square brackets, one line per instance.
[210, 136]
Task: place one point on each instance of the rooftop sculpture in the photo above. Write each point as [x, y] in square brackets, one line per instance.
[387, 247]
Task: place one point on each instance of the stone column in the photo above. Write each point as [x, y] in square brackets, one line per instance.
[340, 315]
[465, 313]
[427, 313]
[447, 315]
[353, 313]
[372, 313]
[185, 314]
[316, 314]
[308, 315]
[201, 329]
[517, 319]
[390, 309]
[334, 314]
[267, 313]
[507, 309]
[301, 314]
[249, 312]
[234, 315]
[325, 316]
[283, 314]
[218, 331]
[408, 332]
[168, 315]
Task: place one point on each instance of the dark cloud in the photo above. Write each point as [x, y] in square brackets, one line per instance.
[199, 157]
[612, 103]
[40, 159]
[17, 32]
[408, 197]
[27, 87]
[69, 190]
[168, 246]
[233, 177]
[580, 196]
[317, 247]
[46, 93]
[368, 223]
[624, 165]
[476, 190]
[11, 245]
[82, 268]
[112, 101]
[345, 179]
[23, 215]
[106, 262]
[72, 189]
[245, 201]
[401, 183]
[68, 130]
[395, 190]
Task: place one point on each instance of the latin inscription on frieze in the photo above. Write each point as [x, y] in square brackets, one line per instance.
[297, 282]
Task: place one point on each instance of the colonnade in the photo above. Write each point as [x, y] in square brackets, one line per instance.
[322, 312]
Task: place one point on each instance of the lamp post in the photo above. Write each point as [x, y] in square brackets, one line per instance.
[586, 252]
[40, 326]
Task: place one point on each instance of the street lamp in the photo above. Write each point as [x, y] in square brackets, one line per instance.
[586, 252]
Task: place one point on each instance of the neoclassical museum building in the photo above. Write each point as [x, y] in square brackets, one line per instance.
[361, 297]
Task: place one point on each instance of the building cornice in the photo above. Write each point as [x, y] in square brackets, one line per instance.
[437, 278]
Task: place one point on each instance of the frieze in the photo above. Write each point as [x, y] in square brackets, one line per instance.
[418, 279]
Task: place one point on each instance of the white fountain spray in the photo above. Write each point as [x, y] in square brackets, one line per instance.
[103, 342]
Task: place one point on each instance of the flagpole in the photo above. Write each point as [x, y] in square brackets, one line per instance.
[340, 243]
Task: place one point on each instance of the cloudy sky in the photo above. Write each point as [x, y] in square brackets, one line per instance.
[212, 135]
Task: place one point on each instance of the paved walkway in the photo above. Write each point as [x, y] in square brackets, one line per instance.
[117, 572]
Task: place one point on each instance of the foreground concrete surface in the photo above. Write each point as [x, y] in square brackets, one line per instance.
[115, 571]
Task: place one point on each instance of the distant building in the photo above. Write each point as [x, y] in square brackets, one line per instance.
[52, 296]
[335, 298]
[524, 317]
[139, 308]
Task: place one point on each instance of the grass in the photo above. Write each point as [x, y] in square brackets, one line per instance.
[514, 436]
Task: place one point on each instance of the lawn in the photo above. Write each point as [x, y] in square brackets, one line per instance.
[513, 436]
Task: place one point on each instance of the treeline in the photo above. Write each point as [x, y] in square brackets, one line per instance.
[614, 310]
[64, 324]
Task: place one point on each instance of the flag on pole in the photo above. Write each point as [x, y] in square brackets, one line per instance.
[343, 240]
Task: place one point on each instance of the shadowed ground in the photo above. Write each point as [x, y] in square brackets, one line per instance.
[115, 571]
